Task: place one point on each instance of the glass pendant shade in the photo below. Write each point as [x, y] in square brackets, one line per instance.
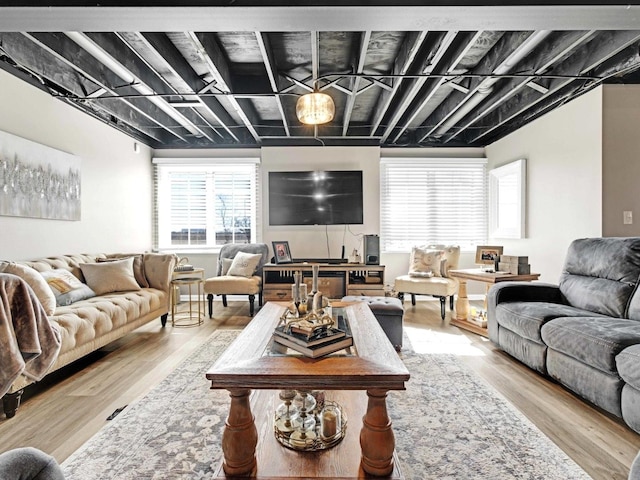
[315, 108]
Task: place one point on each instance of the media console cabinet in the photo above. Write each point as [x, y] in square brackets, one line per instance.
[334, 280]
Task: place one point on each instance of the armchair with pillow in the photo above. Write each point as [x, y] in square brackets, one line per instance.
[239, 272]
[429, 274]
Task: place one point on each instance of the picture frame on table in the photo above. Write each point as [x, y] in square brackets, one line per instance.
[488, 254]
[281, 252]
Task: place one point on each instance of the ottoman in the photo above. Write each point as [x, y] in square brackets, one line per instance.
[388, 311]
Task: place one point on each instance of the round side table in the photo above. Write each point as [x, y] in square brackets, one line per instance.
[193, 313]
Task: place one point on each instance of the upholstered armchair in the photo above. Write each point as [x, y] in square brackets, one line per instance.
[429, 274]
[239, 272]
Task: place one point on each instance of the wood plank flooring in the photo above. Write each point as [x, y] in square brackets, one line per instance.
[70, 406]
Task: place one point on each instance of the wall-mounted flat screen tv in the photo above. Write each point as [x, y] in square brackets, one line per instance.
[315, 198]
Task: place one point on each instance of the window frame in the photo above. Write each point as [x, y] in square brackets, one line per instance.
[390, 242]
[209, 166]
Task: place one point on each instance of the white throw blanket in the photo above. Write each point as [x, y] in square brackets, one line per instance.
[29, 343]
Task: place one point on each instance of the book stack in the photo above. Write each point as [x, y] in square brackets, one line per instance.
[514, 264]
[184, 268]
[323, 342]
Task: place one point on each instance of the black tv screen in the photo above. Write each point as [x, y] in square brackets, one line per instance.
[315, 198]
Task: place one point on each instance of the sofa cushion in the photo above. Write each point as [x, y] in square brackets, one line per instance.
[37, 283]
[594, 341]
[527, 318]
[440, 286]
[628, 364]
[600, 274]
[66, 287]
[116, 276]
[85, 321]
[232, 285]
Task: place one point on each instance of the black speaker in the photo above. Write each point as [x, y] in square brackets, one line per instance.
[371, 249]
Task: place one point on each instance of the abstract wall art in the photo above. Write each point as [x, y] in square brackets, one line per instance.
[38, 181]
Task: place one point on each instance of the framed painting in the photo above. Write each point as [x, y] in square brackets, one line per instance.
[488, 254]
[281, 252]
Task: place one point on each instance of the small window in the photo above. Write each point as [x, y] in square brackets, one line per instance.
[204, 206]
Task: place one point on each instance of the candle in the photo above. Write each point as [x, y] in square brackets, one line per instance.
[314, 286]
[329, 423]
[295, 288]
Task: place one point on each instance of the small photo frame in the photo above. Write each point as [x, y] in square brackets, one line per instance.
[281, 252]
[487, 254]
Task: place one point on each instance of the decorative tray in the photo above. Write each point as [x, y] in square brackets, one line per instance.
[314, 441]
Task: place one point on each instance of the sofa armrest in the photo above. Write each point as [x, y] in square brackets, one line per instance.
[518, 292]
[158, 268]
[524, 292]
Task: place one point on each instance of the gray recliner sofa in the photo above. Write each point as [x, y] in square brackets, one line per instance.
[583, 332]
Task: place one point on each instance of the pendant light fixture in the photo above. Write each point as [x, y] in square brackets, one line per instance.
[315, 108]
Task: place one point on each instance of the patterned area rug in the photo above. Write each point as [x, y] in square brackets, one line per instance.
[449, 424]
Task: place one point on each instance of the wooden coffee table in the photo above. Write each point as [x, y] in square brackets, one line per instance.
[372, 366]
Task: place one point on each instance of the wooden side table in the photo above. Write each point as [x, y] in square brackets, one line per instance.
[193, 280]
[461, 319]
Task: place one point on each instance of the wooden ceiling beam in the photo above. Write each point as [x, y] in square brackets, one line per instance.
[359, 61]
[218, 66]
[496, 55]
[65, 65]
[608, 44]
[553, 52]
[274, 77]
[456, 45]
[123, 58]
[375, 16]
[190, 82]
[409, 49]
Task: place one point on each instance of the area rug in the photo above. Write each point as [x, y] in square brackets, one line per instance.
[449, 424]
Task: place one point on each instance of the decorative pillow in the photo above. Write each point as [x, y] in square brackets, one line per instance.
[426, 260]
[138, 267]
[37, 283]
[226, 265]
[107, 277]
[450, 259]
[66, 287]
[244, 264]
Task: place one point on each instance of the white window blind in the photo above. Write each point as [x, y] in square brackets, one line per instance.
[202, 206]
[426, 201]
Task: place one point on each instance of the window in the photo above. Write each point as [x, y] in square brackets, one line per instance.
[428, 201]
[204, 205]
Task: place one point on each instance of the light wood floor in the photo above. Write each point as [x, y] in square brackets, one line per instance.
[68, 407]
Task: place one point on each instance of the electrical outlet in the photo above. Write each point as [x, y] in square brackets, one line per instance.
[627, 217]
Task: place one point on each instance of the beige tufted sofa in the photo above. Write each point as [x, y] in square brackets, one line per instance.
[90, 324]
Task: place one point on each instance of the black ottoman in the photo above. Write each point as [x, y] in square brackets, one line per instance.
[388, 311]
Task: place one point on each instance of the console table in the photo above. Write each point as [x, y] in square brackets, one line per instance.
[462, 303]
[334, 280]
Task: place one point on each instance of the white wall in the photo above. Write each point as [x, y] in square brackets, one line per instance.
[621, 160]
[564, 181]
[116, 182]
[318, 241]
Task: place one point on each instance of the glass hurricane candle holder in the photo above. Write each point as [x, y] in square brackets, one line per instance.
[285, 412]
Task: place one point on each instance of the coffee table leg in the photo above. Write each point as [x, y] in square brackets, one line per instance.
[240, 436]
[462, 303]
[376, 437]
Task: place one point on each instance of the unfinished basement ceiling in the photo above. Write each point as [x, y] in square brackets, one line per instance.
[413, 74]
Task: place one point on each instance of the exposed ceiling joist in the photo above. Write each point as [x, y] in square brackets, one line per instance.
[400, 75]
